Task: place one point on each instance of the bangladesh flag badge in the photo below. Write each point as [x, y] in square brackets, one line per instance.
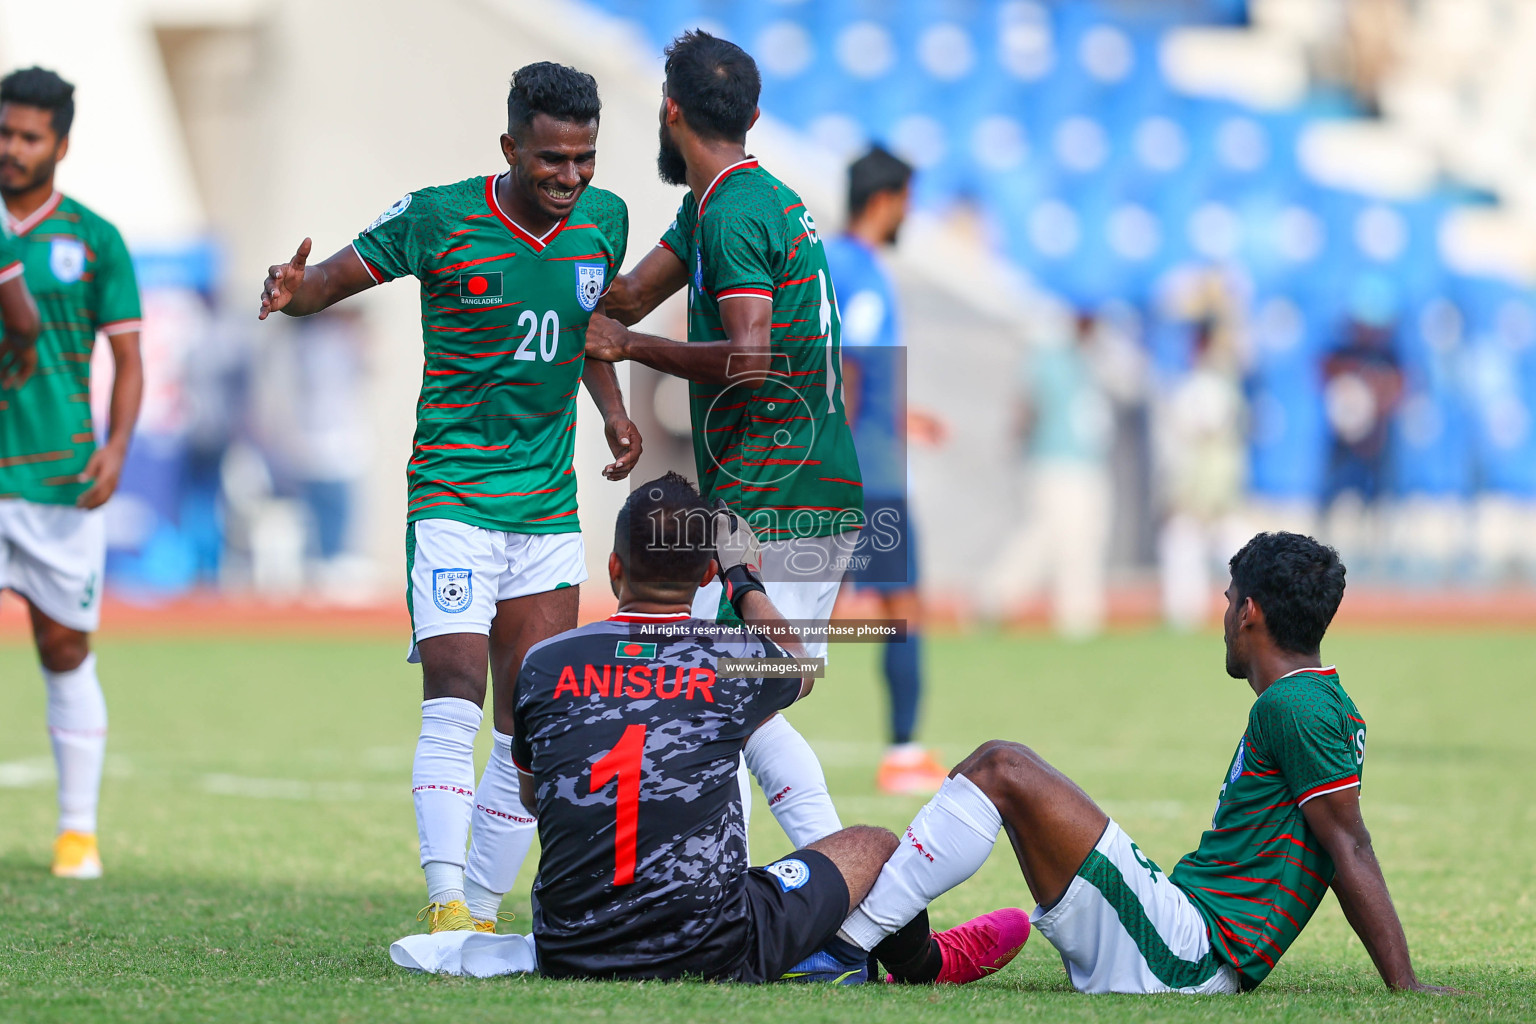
[630, 649]
[480, 289]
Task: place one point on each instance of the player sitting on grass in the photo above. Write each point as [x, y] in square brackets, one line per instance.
[1287, 824]
[628, 734]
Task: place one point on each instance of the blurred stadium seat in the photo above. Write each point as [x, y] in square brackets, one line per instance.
[1107, 146]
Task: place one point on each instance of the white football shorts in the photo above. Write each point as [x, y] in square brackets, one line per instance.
[54, 556]
[1122, 926]
[801, 576]
[458, 572]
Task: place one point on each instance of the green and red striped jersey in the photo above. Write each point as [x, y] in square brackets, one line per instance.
[81, 276]
[781, 454]
[504, 325]
[1260, 872]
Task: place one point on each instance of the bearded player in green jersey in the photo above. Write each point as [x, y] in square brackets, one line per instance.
[511, 267]
[770, 431]
[1287, 825]
[54, 478]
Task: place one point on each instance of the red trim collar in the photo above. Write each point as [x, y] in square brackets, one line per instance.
[746, 164]
[37, 216]
[650, 617]
[535, 242]
[1329, 671]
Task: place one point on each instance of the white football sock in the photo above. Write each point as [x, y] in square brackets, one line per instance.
[503, 830]
[744, 785]
[786, 768]
[443, 786]
[77, 725]
[946, 843]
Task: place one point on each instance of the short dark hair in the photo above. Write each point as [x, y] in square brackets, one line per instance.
[664, 535]
[716, 84]
[41, 88]
[1299, 583]
[563, 93]
[877, 171]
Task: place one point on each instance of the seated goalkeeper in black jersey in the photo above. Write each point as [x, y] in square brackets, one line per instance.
[628, 737]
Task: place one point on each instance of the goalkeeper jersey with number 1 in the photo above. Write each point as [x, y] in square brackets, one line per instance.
[1260, 872]
[781, 453]
[504, 324]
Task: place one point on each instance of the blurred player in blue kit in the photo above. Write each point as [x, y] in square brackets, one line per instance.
[874, 378]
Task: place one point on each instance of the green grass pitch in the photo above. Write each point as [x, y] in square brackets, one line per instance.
[260, 845]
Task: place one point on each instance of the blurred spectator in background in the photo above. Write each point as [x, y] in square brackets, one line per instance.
[1362, 385]
[330, 446]
[875, 390]
[1064, 423]
[1202, 460]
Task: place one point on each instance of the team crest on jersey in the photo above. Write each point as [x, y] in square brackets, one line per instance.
[791, 873]
[390, 214]
[698, 270]
[452, 589]
[66, 258]
[1237, 762]
[589, 284]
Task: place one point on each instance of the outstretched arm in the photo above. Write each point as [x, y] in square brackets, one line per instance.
[742, 359]
[300, 290]
[1362, 891]
[653, 280]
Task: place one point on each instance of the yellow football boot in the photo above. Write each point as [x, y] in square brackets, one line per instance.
[75, 855]
[488, 925]
[452, 916]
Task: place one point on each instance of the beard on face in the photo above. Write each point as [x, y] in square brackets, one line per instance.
[670, 164]
[1235, 666]
[28, 181]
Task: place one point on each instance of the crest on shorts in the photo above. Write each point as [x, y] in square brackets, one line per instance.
[1237, 762]
[589, 284]
[452, 589]
[791, 873]
[66, 258]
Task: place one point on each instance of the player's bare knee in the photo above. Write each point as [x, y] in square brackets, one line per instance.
[62, 650]
[998, 767]
[451, 681]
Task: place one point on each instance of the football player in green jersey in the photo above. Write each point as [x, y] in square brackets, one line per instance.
[54, 478]
[770, 432]
[511, 266]
[1287, 825]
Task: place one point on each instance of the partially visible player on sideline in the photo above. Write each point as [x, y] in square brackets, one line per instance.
[511, 266]
[885, 560]
[54, 478]
[1287, 825]
[770, 434]
[628, 735]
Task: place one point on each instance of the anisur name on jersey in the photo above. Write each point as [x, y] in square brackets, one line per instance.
[637, 682]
